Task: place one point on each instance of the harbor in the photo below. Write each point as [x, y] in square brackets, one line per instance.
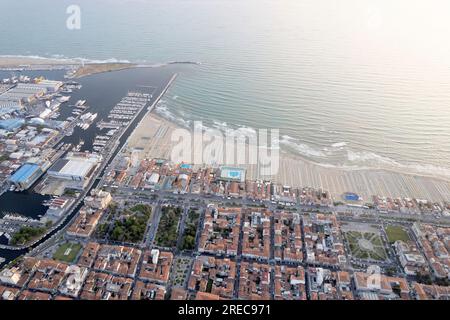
[131, 96]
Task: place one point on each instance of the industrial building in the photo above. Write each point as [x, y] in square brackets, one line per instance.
[26, 175]
[11, 124]
[75, 167]
[50, 85]
[8, 107]
[23, 92]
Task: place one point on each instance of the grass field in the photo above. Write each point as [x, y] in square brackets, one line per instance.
[395, 233]
[365, 245]
[67, 252]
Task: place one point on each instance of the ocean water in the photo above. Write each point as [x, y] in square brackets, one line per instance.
[355, 84]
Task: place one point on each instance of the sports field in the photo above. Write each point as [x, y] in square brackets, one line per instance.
[395, 233]
[67, 252]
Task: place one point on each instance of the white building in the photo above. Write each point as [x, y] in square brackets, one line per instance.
[10, 276]
[76, 167]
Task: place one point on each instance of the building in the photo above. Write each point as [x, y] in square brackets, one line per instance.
[48, 276]
[23, 93]
[119, 260]
[103, 286]
[430, 292]
[85, 223]
[98, 199]
[215, 276]
[74, 282]
[75, 167]
[410, 257]
[256, 234]
[34, 295]
[26, 176]
[10, 276]
[254, 281]
[50, 85]
[178, 294]
[148, 291]
[380, 287]
[221, 228]
[11, 124]
[156, 265]
[89, 254]
[326, 284]
[289, 283]
[153, 179]
[288, 243]
[7, 293]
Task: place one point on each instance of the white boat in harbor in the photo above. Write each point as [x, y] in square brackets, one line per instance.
[80, 103]
[64, 99]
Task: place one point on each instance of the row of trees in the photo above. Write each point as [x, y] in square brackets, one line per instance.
[26, 234]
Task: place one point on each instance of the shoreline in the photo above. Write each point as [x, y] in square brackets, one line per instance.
[294, 170]
[152, 137]
[78, 68]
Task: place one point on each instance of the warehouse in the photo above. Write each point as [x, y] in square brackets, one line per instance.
[11, 124]
[26, 176]
[50, 85]
[23, 93]
[76, 167]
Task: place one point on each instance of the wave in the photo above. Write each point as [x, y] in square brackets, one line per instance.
[162, 110]
[373, 160]
[343, 157]
[339, 144]
[301, 148]
[64, 59]
[220, 125]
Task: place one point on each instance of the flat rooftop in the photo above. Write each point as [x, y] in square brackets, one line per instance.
[24, 173]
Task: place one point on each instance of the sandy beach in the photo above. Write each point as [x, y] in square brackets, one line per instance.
[89, 69]
[152, 139]
[9, 62]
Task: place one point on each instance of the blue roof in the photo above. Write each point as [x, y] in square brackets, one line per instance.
[185, 166]
[24, 173]
[10, 124]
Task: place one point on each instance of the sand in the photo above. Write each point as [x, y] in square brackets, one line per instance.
[81, 69]
[9, 62]
[89, 69]
[153, 140]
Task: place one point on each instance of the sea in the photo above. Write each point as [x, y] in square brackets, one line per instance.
[349, 84]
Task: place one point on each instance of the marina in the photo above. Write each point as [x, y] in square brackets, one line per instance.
[83, 140]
